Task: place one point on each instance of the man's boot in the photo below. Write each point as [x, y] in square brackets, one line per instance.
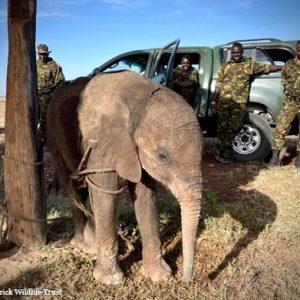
[274, 161]
[298, 161]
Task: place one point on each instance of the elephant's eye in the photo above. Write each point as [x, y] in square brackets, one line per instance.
[163, 156]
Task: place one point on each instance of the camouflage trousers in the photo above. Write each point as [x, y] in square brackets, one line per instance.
[44, 100]
[230, 122]
[290, 109]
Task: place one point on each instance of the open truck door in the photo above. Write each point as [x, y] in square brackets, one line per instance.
[162, 68]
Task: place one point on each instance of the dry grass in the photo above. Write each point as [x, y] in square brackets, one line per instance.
[247, 248]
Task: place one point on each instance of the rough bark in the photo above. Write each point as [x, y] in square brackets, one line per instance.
[23, 169]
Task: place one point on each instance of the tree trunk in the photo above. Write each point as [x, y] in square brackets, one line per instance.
[23, 169]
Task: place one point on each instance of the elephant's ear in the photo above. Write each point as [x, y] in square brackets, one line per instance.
[119, 154]
[128, 164]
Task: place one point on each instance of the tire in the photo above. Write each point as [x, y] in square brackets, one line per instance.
[254, 140]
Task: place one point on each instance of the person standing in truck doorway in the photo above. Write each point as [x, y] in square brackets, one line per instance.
[49, 77]
[291, 108]
[231, 95]
[186, 80]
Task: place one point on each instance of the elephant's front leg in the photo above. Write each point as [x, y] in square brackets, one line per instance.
[144, 198]
[103, 196]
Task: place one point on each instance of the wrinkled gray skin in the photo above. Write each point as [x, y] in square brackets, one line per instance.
[125, 127]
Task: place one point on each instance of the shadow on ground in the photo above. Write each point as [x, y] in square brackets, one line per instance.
[227, 190]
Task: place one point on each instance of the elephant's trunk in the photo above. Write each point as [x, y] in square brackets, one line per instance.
[190, 214]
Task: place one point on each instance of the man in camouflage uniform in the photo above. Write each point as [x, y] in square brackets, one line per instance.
[50, 76]
[291, 108]
[186, 80]
[231, 95]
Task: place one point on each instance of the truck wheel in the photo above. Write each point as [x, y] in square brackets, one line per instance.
[254, 140]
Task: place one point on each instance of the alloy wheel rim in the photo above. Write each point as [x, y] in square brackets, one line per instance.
[247, 141]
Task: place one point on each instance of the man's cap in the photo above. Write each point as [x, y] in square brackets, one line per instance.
[42, 48]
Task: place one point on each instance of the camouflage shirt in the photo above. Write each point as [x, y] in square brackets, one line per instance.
[234, 79]
[187, 93]
[291, 78]
[50, 76]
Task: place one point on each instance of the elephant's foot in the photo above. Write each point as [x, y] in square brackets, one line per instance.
[76, 240]
[157, 270]
[86, 241]
[83, 246]
[108, 276]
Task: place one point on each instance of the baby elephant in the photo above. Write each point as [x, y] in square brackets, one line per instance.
[119, 127]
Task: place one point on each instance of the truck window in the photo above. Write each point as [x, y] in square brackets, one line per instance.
[196, 63]
[161, 68]
[267, 55]
[162, 65]
[280, 55]
[162, 71]
[259, 55]
[135, 63]
[195, 60]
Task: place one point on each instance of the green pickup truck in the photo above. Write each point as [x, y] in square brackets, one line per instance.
[266, 92]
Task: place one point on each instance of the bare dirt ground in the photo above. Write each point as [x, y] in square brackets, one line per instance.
[248, 181]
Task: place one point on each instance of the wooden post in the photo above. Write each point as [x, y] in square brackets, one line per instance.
[23, 168]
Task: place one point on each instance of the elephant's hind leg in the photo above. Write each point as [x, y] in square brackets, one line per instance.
[76, 196]
[79, 218]
[154, 265]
